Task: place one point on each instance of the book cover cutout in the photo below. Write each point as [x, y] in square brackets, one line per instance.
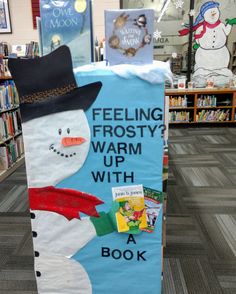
[129, 36]
[153, 204]
[131, 215]
[67, 22]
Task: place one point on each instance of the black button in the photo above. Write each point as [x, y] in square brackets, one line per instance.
[32, 215]
[38, 274]
[36, 253]
[34, 234]
[214, 41]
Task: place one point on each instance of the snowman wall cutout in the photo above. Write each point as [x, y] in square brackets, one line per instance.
[57, 138]
[212, 55]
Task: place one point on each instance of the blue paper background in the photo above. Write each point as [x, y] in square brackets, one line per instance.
[109, 275]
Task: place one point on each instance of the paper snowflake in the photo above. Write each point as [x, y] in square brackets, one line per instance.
[192, 12]
[179, 4]
[174, 55]
[157, 34]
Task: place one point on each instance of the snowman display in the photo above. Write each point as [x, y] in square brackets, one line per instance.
[57, 139]
[212, 55]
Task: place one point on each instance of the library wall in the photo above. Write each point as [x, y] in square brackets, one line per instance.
[98, 15]
[22, 24]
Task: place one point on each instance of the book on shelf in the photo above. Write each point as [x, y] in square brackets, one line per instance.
[128, 35]
[67, 22]
[207, 100]
[29, 50]
[4, 71]
[19, 50]
[32, 49]
[179, 101]
[9, 153]
[213, 115]
[2, 67]
[8, 95]
[179, 116]
[10, 124]
[4, 48]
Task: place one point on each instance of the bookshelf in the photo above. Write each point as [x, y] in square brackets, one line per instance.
[11, 141]
[202, 106]
[6, 173]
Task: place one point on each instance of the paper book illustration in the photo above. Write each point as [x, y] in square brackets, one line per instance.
[129, 36]
[131, 214]
[67, 22]
[212, 56]
[153, 204]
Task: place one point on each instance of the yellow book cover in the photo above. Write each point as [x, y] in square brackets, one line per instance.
[131, 215]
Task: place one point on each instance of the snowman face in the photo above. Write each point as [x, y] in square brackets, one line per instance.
[56, 146]
[212, 15]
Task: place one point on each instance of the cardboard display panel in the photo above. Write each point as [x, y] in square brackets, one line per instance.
[81, 143]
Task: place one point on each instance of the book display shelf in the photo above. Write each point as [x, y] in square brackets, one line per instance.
[11, 141]
[208, 105]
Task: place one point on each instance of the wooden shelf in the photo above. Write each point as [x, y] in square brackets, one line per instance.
[6, 173]
[180, 122]
[216, 107]
[10, 138]
[5, 77]
[10, 109]
[194, 94]
[179, 107]
[215, 122]
[200, 91]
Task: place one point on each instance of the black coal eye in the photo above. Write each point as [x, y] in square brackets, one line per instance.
[59, 131]
[68, 131]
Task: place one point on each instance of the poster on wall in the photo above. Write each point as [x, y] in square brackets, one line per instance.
[100, 159]
[67, 22]
[5, 20]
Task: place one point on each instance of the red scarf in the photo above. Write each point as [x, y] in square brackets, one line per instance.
[205, 25]
[67, 202]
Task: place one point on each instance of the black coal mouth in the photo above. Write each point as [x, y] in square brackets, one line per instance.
[61, 153]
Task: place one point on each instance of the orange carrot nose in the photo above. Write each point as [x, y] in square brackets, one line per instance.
[72, 141]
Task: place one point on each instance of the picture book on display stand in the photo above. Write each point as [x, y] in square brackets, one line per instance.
[129, 36]
[67, 22]
[96, 139]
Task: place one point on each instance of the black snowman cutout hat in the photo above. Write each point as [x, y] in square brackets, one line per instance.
[47, 85]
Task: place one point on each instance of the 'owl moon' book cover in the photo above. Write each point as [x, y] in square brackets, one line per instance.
[129, 36]
[67, 22]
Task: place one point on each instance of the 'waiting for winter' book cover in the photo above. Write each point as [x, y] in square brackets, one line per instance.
[129, 36]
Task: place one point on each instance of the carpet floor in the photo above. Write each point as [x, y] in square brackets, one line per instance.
[200, 255]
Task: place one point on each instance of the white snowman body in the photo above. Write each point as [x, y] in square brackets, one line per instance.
[57, 238]
[212, 57]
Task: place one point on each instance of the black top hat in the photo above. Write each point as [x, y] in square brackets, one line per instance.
[47, 85]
